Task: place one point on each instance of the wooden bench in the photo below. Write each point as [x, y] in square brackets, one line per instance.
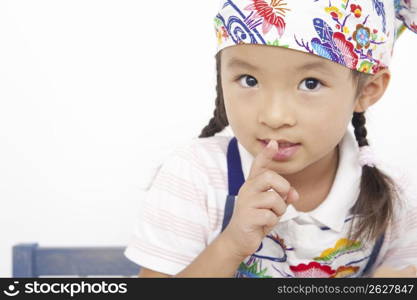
[30, 260]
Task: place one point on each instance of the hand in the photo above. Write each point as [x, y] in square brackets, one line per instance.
[385, 271]
[258, 207]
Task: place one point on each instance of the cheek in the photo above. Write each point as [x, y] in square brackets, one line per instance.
[238, 108]
[326, 126]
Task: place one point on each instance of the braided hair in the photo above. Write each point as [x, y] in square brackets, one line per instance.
[219, 120]
[373, 209]
[378, 192]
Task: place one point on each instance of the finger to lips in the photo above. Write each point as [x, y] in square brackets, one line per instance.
[264, 157]
[271, 181]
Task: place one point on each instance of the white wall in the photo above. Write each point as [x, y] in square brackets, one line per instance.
[93, 92]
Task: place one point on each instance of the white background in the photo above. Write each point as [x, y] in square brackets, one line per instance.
[94, 93]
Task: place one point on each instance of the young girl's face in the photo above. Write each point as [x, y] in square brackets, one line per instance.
[277, 93]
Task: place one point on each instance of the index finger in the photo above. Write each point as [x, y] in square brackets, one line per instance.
[263, 158]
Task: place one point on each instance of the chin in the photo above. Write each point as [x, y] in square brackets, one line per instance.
[286, 168]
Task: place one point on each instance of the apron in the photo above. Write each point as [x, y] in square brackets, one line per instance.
[236, 180]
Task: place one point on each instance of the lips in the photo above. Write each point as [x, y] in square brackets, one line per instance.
[286, 149]
[282, 143]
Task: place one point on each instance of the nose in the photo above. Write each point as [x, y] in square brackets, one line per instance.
[277, 111]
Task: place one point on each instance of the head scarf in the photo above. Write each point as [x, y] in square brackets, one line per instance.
[359, 34]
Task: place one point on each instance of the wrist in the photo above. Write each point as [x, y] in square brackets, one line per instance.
[227, 245]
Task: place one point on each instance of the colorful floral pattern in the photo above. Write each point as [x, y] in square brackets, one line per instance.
[342, 247]
[338, 45]
[313, 269]
[272, 249]
[320, 267]
[271, 13]
[252, 269]
[273, 256]
[317, 270]
[362, 36]
[354, 33]
[356, 9]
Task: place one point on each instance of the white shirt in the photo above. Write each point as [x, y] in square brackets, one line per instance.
[183, 209]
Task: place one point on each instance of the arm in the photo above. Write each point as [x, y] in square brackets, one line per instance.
[217, 260]
[384, 271]
[147, 273]
[214, 261]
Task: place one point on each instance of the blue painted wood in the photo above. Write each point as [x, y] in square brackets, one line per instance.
[23, 260]
[71, 261]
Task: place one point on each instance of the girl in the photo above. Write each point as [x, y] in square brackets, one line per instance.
[291, 194]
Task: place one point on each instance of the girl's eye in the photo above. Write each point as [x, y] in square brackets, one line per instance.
[310, 83]
[247, 81]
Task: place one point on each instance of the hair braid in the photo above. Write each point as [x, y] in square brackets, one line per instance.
[219, 120]
[374, 206]
[358, 122]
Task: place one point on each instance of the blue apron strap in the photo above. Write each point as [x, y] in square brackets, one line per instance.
[234, 168]
[228, 210]
[235, 179]
[374, 254]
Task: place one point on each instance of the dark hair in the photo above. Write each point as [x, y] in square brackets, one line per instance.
[378, 192]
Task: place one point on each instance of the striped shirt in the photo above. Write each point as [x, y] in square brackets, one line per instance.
[183, 210]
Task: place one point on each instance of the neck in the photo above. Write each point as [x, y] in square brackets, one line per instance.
[315, 181]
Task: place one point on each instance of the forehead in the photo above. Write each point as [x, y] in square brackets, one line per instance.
[272, 58]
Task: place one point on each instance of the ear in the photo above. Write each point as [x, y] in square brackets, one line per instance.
[373, 90]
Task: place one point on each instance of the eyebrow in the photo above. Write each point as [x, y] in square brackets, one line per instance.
[317, 66]
[236, 63]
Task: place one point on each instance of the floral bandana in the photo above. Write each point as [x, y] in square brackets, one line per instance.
[359, 34]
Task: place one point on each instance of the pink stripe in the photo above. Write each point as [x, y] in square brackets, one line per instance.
[214, 147]
[180, 196]
[216, 177]
[215, 213]
[175, 190]
[188, 226]
[412, 221]
[181, 190]
[214, 224]
[162, 253]
[399, 231]
[171, 228]
[184, 184]
[401, 253]
[218, 140]
[411, 255]
[408, 249]
[405, 250]
[167, 214]
[215, 217]
[190, 157]
[411, 226]
[396, 259]
[409, 217]
[173, 225]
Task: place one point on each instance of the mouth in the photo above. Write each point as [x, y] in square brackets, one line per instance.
[286, 149]
[281, 143]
